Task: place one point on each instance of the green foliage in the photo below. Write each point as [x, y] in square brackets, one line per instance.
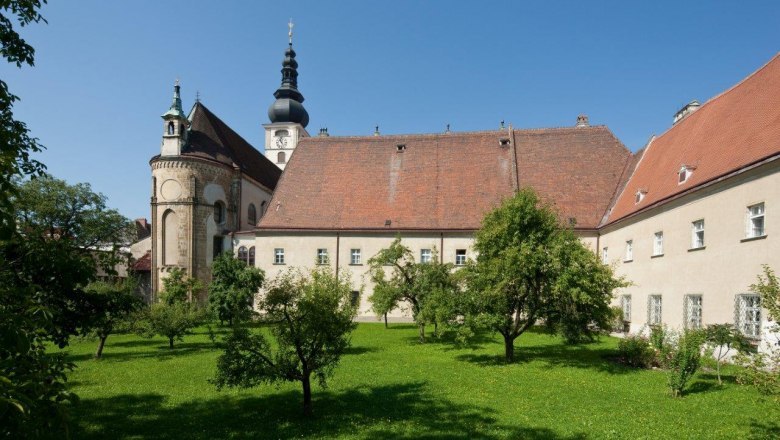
[234, 285]
[635, 351]
[112, 304]
[529, 268]
[681, 358]
[427, 287]
[768, 288]
[16, 143]
[311, 319]
[659, 340]
[172, 321]
[178, 287]
[724, 338]
[762, 371]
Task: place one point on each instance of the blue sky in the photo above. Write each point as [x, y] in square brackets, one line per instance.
[104, 70]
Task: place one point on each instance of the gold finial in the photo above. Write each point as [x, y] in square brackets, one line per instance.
[289, 34]
[177, 81]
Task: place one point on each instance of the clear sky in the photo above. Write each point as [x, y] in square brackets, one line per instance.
[105, 70]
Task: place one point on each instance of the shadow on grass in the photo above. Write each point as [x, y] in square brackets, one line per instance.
[727, 378]
[701, 387]
[570, 356]
[156, 349]
[399, 411]
[762, 429]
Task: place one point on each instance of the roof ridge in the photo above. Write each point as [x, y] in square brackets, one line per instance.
[458, 133]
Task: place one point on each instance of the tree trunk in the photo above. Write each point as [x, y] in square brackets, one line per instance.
[170, 343]
[720, 382]
[422, 333]
[385, 320]
[509, 349]
[435, 329]
[307, 410]
[101, 344]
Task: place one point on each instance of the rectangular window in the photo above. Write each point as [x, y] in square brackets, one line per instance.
[654, 310]
[425, 255]
[218, 246]
[279, 256]
[625, 306]
[460, 257]
[693, 311]
[748, 315]
[354, 298]
[658, 243]
[697, 234]
[755, 221]
[605, 255]
[322, 256]
[355, 257]
[629, 250]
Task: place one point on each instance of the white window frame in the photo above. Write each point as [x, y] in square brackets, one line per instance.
[426, 256]
[460, 257]
[755, 215]
[629, 251]
[684, 174]
[693, 307]
[278, 255]
[748, 315]
[658, 243]
[697, 234]
[654, 310]
[322, 256]
[355, 257]
[605, 255]
[625, 306]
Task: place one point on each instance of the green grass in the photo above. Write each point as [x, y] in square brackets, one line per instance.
[390, 386]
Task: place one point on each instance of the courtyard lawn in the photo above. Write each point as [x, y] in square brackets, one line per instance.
[390, 386]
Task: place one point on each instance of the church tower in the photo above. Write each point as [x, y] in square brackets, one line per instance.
[175, 125]
[287, 115]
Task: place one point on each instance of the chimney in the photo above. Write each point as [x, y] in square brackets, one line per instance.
[582, 121]
[324, 132]
[685, 111]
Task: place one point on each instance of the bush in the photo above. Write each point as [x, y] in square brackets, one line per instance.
[762, 371]
[681, 357]
[636, 351]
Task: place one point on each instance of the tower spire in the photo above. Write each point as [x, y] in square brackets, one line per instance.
[175, 110]
[288, 106]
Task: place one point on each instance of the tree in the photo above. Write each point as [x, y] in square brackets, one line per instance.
[768, 288]
[408, 281]
[174, 315]
[725, 337]
[529, 268]
[16, 143]
[234, 285]
[112, 304]
[310, 317]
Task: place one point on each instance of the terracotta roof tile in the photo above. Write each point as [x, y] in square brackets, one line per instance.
[732, 130]
[212, 139]
[443, 181]
[143, 264]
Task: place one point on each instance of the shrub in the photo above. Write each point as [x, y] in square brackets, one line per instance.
[681, 357]
[762, 371]
[635, 351]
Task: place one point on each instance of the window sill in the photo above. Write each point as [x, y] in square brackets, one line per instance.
[628, 261]
[323, 264]
[700, 248]
[355, 264]
[280, 264]
[656, 256]
[760, 237]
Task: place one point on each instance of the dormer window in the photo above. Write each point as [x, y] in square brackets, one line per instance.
[684, 173]
[504, 142]
[400, 148]
[640, 195]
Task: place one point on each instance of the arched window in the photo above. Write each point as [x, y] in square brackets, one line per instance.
[251, 214]
[251, 260]
[242, 254]
[219, 213]
[170, 239]
[282, 133]
[280, 157]
[262, 208]
[170, 128]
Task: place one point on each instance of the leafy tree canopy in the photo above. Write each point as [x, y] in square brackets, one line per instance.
[310, 317]
[233, 287]
[112, 304]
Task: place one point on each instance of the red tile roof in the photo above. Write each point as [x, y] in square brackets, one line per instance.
[733, 130]
[443, 181]
[143, 264]
[211, 139]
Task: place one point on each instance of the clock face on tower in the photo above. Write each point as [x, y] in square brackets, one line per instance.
[281, 141]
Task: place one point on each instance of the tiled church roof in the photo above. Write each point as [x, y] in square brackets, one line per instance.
[729, 132]
[210, 138]
[444, 181]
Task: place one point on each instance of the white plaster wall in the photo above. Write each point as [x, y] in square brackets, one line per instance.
[251, 193]
[726, 266]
